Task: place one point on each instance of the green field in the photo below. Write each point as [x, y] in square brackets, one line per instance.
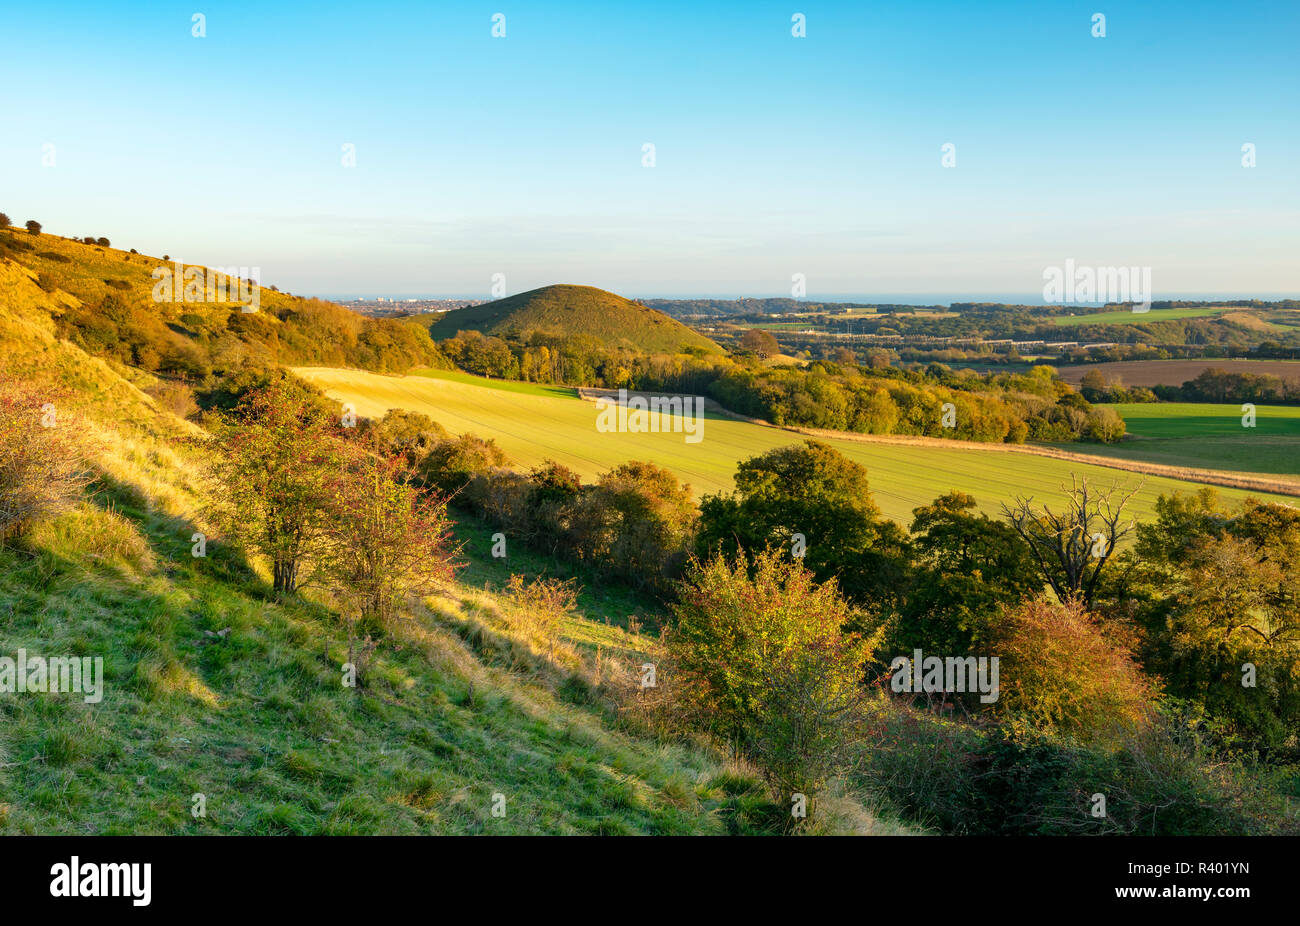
[1210, 437]
[533, 425]
[1127, 316]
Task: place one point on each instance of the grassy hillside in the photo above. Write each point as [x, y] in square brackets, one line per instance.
[109, 302]
[576, 310]
[537, 425]
[214, 688]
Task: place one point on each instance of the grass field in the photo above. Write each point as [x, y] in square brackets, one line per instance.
[1127, 316]
[532, 426]
[1210, 437]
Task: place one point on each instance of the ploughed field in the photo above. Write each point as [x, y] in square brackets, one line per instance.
[1176, 372]
[534, 423]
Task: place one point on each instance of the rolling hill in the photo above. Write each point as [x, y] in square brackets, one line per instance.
[213, 687]
[576, 310]
[140, 311]
[536, 423]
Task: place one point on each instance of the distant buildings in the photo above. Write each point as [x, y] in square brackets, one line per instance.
[381, 306]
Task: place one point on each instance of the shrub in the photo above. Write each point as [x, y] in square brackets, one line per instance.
[42, 463]
[408, 434]
[542, 603]
[275, 455]
[33, 227]
[765, 661]
[554, 488]
[177, 398]
[967, 780]
[385, 540]
[637, 522]
[501, 496]
[1061, 674]
[452, 463]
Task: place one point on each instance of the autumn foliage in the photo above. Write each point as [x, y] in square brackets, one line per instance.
[42, 463]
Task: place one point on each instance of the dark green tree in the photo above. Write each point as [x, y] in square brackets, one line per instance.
[812, 501]
[966, 568]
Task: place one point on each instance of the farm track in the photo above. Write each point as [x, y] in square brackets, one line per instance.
[533, 426]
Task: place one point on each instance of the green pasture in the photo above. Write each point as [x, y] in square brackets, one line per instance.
[533, 427]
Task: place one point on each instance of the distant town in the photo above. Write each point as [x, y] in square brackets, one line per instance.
[382, 306]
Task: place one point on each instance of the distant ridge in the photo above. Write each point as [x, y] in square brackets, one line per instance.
[565, 309]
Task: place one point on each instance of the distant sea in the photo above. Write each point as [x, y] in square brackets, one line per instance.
[869, 298]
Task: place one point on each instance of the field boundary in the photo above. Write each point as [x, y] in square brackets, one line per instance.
[1213, 477]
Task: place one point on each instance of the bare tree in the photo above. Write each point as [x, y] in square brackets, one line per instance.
[1072, 548]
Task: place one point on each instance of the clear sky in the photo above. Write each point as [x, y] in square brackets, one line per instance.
[774, 155]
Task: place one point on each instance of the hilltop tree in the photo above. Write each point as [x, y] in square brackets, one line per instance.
[33, 227]
[4, 221]
[761, 342]
[1073, 547]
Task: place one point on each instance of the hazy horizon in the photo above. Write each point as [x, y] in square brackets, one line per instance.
[920, 299]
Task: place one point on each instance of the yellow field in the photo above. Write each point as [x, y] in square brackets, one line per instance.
[532, 424]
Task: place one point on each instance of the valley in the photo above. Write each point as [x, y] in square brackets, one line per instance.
[533, 424]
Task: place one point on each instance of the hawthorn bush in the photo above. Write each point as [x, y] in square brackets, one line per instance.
[760, 656]
[275, 454]
[42, 462]
[385, 539]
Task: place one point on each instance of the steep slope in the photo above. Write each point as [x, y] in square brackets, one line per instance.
[189, 320]
[220, 698]
[576, 310]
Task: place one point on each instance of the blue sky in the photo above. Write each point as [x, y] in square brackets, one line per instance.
[774, 155]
